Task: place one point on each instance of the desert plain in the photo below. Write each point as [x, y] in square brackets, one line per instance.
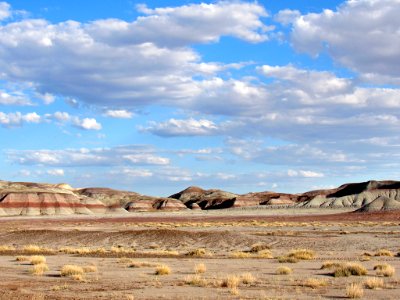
[230, 254]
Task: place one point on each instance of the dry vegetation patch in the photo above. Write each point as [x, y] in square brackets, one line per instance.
[384, 252]
[73, 271]
[314, 283]
[284, 270]
[349, 269]
[37, 259]
[354, 291]
[39, 269]
[199, 252]
[163, 270]
[374, 283]
[200, 268]
[385, 270]
[247, 278]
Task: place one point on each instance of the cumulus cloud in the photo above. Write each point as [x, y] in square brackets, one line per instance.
[185, 127]
[5, 10]
[361, 35]
[13, 99]
[56, 172]
[119, 114]
[123, 155]
[17, 119]
[87, 123]
[304, 173]
[286, 16]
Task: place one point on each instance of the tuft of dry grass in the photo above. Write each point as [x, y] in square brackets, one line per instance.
[247, 278]
[354, 291]
[39, 269]
[6, 248]
[350, 268]
[195, 280]
[287, 259]
[231, 281]
[330, 265]
[200, 268]
[385, 270]
[37, 259]
[384, 252]
[22, 258]
[284, 270]
[71, 271]
[163, 270]
[240, 254]
[141, 264]
[198, 252]
[35, 249]
[264, 254]
[374, 283]
[90, 269]
[259, 247]
[302, 254]
[314, 283]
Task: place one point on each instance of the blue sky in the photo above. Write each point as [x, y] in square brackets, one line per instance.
[155, 96]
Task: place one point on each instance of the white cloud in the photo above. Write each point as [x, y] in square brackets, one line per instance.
[61, 116]
[47, 98]
[56, 172]
[119, 114]
[287, 16]
[186, 127]
[87, 123]
[17, 119]
[303, 173]
[13, 99]
[5, 10]
[123, 155]
[362, 35]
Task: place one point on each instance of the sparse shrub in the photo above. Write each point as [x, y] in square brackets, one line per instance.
[354, 291]
[6, 248]
[259, 247]
[330, 265]
[385, 270]
[230, 281]
[195, 280]
[22, 258]
[37, 259]
[240, 254]
[198, 252]
[32, 249]
[163, 270]
[384, 252]
[284, 270]
[302, 254]
[247, 278]
[374, 283]
[140, 264]
[287, 259]
[90, 269]
[39, 269]
[264, 254]
[234, 291]
[314, 283]
[71, 270]
[348, 269]
[200, 268]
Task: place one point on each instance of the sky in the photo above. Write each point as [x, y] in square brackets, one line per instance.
[156, 96]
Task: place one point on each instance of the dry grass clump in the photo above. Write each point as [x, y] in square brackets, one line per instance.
[74, 271]
[385, 270]
[6, 248]
[196, 280]
[374, 283]
[72, 250]
[140, 264]
[165, 252]
[240, 254]
[247, 278]
[39, 269]
[264, 254]
[22, 258]
[163, 270]
[283, 270]
[314, 283]
[231, 281]
[354, 291]
[198, 252]
[302, 254]
[34, 249]
[37, 259]
[287, 259]
[348, 269]
[90, 269]
[200, 268]
[259, 247]
[384, 252]
[330, 265]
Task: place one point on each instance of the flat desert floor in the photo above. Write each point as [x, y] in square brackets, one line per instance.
[204, 255]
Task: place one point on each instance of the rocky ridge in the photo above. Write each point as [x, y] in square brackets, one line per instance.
[26, 198]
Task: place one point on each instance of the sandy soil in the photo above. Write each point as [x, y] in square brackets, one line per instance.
[167, 238]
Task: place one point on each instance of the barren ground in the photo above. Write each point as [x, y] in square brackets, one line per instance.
[166, 238]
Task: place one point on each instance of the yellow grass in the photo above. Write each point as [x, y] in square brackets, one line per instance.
[140, 264]
[330, 265]
[258, 247]
[283, 270]
[33, 249]
[354, 291]
[240, 254]
[89, 269]
[163, 270]
[39, 269]
[198, 252]
[6, 248]
[71, 270]
[384, 252]
[349, 269]
[385, 270]
[247, 278]
[264, 254]
[374, 283]
[195, 280]
[287, 259]
[37, 259]
[231, 281]
[22, 258]
[314, 283]
[302, 254]
[200, 268]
